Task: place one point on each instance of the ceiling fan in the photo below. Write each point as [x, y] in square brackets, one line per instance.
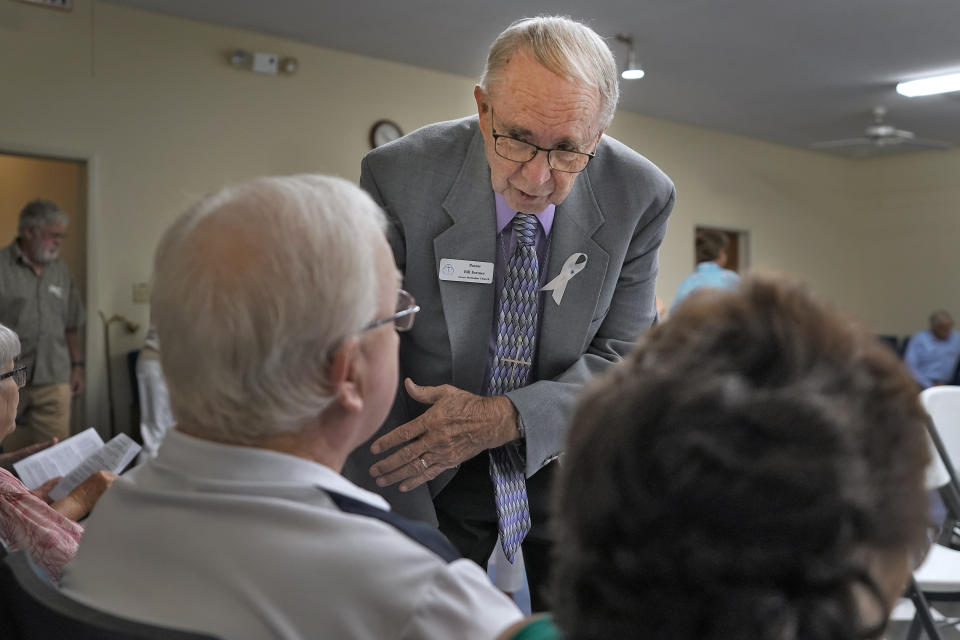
[881, 135]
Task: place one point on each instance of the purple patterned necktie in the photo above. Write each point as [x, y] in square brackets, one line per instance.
[516, 343]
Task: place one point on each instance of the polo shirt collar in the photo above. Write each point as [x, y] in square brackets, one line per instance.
[227, 464]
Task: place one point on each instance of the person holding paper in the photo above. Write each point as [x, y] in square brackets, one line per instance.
[278, 305]
[531, 239]
[26, 520]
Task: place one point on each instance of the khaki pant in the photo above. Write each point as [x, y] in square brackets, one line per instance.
[44, 412]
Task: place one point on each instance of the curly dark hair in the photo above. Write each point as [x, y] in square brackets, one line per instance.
[725, 479]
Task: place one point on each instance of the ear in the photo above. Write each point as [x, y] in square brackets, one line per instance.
[483, 104]
[599, 136]
[344, 375]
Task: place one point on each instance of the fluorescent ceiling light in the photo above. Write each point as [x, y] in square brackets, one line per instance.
[632, 70]
[930, 86]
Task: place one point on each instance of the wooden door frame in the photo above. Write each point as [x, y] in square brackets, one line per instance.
[743, 242]
[94, 412]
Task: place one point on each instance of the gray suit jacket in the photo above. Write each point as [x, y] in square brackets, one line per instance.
[435, 187]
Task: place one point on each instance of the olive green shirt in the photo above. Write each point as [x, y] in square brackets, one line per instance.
[41, 309]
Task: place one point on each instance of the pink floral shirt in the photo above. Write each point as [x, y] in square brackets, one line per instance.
[27, 522]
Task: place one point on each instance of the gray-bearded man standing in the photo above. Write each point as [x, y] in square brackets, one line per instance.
[40, 302]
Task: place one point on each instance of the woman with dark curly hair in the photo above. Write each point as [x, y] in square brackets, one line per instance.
[754, 470]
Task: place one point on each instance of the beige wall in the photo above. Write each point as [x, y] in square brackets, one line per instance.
[152, 103]
[791, 203]
[908, 235]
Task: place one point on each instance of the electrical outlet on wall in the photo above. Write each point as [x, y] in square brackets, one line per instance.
[141, 292]
[65, 5]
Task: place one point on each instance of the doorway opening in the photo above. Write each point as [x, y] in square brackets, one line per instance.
[26, 177]
[738, 246]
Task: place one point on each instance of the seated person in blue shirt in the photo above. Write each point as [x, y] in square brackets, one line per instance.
[932, 354]
[711, 250]
[755, 469]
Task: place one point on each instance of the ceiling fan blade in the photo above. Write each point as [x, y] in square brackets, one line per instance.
[930, 144]
[881, 137]
[890, 141]
[834, 144]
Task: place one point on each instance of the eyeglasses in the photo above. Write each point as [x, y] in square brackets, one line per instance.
[407, 309]
[19, 376]
[519, 151]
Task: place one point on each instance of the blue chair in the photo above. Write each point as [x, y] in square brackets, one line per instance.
[891, 341]
[903, 345]
[955, 380]
[32, 608]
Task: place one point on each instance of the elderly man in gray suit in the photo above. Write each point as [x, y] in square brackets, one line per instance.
[531, 240]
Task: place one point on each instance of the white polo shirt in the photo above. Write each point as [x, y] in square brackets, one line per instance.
[242, 542]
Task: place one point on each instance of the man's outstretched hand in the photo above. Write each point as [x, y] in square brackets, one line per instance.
[457, 426]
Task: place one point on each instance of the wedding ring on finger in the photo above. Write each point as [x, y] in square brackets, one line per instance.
[423, 462]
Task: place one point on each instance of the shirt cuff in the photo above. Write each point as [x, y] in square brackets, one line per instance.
[521, 439]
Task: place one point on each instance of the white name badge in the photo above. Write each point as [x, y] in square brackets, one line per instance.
[466, 271]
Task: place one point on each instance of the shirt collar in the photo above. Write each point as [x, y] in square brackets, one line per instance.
[708, 266]
[19, 257]
[237, 465]
[505, 214]
[18, 252]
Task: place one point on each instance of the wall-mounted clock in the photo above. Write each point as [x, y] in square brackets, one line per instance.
[384, 131]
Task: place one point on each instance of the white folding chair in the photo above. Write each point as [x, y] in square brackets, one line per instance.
[938, 578]
[943, 405]
[923, 618]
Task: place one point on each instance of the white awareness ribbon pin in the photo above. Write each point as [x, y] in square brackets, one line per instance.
[571, 267]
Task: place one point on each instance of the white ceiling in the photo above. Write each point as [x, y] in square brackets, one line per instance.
[787, 72]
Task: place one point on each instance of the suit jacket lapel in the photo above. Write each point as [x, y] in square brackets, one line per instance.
[467, 307]
[564, 326]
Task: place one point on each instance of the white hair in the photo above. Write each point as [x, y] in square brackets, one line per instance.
[9, 344]
[38, 213]
[254, 289]
[564, 46]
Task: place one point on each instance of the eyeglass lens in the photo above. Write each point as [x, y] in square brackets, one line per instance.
[559, 159]
[19, 376]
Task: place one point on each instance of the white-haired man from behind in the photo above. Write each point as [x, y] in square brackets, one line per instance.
[276, 302]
